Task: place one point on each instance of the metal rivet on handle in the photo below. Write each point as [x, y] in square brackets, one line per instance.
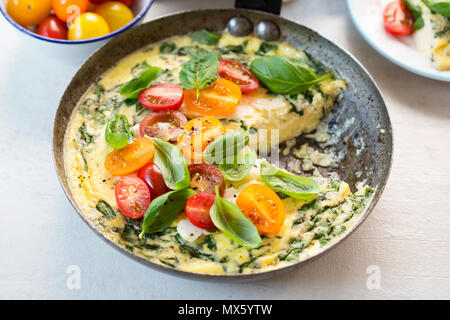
[267, 30]
[240, 26]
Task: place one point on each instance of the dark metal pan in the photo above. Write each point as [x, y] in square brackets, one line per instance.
[365, 145]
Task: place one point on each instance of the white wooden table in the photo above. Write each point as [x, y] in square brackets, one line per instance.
[406, 238]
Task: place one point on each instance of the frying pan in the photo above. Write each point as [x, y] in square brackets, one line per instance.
[360, 122]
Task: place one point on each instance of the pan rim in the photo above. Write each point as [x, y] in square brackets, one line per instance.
[250, 276]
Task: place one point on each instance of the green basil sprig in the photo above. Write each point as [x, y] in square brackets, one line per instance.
[417, 14]
[205, 37]
[226, 146]
[238, 167]
[164, 210]
[228, 218]
[286, 75]
[199, 72]
[294, 186]
[442, 8]
[172, 164]
[132, 88]
[117, 133]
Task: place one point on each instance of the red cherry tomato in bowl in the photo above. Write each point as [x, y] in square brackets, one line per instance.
[132, 196]
[127, 2]
[164, 96]
[54, 28]
[205, 177]
[151, 174]
[166, 125]
[238, 74]
[397, 18]
[98, 1]
[197, 210]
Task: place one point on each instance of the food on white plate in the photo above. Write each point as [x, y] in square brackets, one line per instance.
[148, 147]
[429, 23]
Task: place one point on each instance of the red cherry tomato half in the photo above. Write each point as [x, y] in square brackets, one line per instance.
[166, 125]
[164, 96]
[238, 74]
[197, 210]
[127, 2]
[54, 28]
[205, 177]
[132, 196]
[397, 18]
[151, 174]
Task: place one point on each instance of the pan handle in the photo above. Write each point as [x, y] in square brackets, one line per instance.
[272, 6]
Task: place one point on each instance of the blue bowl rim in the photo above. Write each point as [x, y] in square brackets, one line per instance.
[138, 17]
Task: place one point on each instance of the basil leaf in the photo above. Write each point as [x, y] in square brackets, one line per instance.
[234, 48]
[294, 186]
[117, 133]
[172, 164]
[191, 51]
[266, 47]
[132, 88]
[205, 37]
[104, 207]
[442, 8]
[164, 210]
[417, 14]
[238, 167]
[167, 47]
[229, 219]
[285, 75]
[226, 146]
[199, 72]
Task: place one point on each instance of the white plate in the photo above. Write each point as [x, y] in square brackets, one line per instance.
[367, 16]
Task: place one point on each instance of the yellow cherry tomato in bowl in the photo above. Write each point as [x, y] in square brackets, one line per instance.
[88, 25]
[115, 13]
[68, 10]
[29, 12]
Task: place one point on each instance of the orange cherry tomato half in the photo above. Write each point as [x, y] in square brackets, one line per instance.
[163, 96]
[263, 207]
[197, 134]
[397, 18]
[132, 196]
[197, 210]
[221, 99]
[67, 10]
[165, 125]
[238, 74]
[205, 177]
[54, 28]
[131, 158]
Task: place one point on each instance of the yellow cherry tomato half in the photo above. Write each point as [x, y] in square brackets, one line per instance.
[88, 25]
[197, 134]
[115, 13]
[68, 10]
[29, 12]
[263, 207]
[131, 158]
[221, 99]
